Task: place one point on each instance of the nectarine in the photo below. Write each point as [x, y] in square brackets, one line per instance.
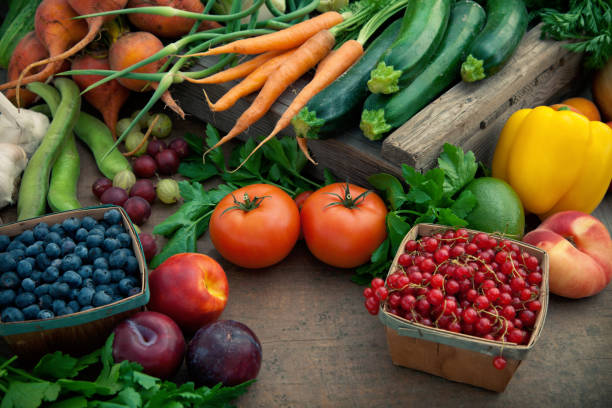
[575, 271]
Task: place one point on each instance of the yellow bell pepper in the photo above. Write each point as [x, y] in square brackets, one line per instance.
[554, 160]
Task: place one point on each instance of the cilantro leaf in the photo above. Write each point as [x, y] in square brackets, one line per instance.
[382, 252]
[397, 228]
[195, 144]
[464, 204]
[459, 168]
[74, 402]
[198, 171]
[29, 395]
[446, 216]
[60, 365]
[392, 186]
[328, 177]
[215, 156]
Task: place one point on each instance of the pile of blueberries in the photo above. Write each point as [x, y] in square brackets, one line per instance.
[65, 268]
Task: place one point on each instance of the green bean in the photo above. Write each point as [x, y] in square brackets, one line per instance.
[96, 135]
[35, 180]
[275, 12]
[62, 194]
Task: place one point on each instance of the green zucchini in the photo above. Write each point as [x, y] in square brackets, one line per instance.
[423, 28]
[505, 27]
[333, 109]
[385, 112]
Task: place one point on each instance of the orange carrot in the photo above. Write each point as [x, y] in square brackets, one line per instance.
[254, 81]
[333, 66]
[302, 60]
[239, 71]
[324, 61]
[286, 39]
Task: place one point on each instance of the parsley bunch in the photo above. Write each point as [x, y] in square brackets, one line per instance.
[435, 196]
[54, 382]
[278, 162]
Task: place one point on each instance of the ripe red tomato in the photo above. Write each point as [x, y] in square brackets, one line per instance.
[343, 224]
[256, 226]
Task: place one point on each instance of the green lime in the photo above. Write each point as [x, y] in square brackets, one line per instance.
[499, 208]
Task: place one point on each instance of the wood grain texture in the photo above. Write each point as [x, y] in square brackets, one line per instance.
[322, 349]
[471, 115]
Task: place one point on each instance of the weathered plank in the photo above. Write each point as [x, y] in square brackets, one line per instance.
[472, 115]
[467, 115]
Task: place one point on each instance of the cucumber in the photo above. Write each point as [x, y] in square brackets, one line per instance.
[423, 28]
[505, 27]
[385, 112]
[334, 108]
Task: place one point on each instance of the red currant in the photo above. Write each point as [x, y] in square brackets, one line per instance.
[435, 297]
[481, 302]
[431, 245]
[493, 294]
[437, 281]
[483, 326]
[452, 286]
[469, 315]
[499, 362]
[404, 260]
[381, 293]
[368, 292]
[411, 245]
[407, 302]
[377, 282]
[534, 278]
[534, 306]
[441, 255]
[508, 312]
[394, 299]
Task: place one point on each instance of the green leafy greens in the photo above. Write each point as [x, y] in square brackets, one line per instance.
[118, 385]
[434, 196]
[278, 162]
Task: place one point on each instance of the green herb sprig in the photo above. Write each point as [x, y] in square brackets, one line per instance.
[54, 382]
[435, 196]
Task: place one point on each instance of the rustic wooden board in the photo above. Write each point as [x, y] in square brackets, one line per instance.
[468, 115]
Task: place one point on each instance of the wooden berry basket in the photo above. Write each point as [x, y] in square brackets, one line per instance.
[457, 356]
[79, 332]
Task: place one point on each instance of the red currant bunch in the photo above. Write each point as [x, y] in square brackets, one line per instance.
[481, 286]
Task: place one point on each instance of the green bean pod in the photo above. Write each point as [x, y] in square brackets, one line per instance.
[62, 194]
[96, 135]
[34, 187]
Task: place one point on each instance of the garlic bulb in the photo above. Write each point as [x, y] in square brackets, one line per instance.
[21, 127]
[13, 161]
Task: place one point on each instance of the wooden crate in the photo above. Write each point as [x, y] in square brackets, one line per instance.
[469, 115]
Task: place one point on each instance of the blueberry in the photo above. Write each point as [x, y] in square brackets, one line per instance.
[101, 298]
[89, 283]
[15, 244]
[42, 289]
[85, 271]
[27, 237]
[25, 299]
[36, 275]
[117, 259]
[59, 290]
[112, 216]
[72, 278]
[98, 229]
[125, 240]
[113, 231]
[74, 305]
[126, 284]
[7, 297]
[81, 251]
[18, 254]
[58, 229]
[30, 312]
[64, 311]
[101, 276]
[53, 237]
[53, 250]
[45, 314]
[71, 262]
[81, 234]
[74, 292]
[100, 263]
[88, 307]
[56, 263]
[133, 291]
[71, 224]
[11, 314]
[106, 289]
[85, 295]
[24, 269]
[4, 242]
[68, 246]
[42, 261]
[94, 240]
[88, 223]
[110, 244]
[57, 305]
[7, 262]
[28, 285]
[50, 274]
[45, 301]
[117, 275]
[131, 266]
[32, 261]
[94, 253]
[9, 280]
[34, 249]
[41, 230]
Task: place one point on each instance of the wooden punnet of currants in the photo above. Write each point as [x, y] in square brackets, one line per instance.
[462, 304]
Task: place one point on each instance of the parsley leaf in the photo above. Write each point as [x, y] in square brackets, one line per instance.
[459, 168]
[29, 395]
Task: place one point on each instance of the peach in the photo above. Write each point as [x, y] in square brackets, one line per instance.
[190, 288]
[579, 270]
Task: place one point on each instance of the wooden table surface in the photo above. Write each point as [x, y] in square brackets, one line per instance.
[322, 349]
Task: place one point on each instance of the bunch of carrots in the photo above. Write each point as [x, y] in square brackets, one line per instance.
[288, 54]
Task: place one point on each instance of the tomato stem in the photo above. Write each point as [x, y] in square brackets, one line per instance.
[348, 201]
[246, 205]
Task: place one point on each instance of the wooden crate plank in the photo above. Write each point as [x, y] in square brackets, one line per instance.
[472, 115]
